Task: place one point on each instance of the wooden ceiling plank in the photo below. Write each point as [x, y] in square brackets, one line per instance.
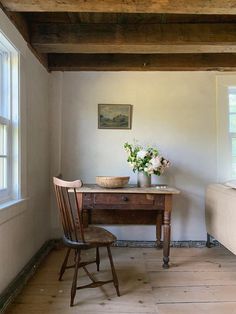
[133, 38]
[19, 21]
[121, 6]
[135, 49]
[73, 17]
[145, 62]
[126, 18]
[21, 24]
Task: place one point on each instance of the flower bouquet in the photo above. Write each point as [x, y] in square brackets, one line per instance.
[145, 159]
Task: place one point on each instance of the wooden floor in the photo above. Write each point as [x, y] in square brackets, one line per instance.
[200, 280]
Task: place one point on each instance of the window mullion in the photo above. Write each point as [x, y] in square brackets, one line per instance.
[231, 128]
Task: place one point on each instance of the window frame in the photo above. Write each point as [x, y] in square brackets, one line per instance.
[232, 135]
[9, 116]
[224, 136]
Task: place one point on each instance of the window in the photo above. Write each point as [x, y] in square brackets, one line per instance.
[9, 186]
[232, 127]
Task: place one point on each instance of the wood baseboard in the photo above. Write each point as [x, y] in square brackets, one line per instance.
[141, 244]
[17, 284]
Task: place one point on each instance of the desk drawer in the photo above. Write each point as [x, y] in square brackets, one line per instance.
[119, 199]
[123, 201]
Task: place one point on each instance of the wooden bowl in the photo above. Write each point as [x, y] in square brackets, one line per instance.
[112, 182]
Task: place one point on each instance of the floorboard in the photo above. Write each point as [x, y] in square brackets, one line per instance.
[200, 280]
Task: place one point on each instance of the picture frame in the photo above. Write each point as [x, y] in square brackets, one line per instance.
[114, 116]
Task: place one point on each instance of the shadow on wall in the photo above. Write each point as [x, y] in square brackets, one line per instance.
[181, 214]
[189, 204]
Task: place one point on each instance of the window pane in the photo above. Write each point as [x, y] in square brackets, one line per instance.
[232, 100]
[3, 173]
[232, 103]
[232, 123]
[234, 147]
[233, 157]
[234, 170]
[4, 85]
[3, 139]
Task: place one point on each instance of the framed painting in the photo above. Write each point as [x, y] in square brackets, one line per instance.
[114, 116]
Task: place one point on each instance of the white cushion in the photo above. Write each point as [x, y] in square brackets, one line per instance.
[231, 184]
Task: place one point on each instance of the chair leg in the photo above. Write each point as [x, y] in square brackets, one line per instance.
[74, 283]
[97, 258]
[115, 279]
[64, 264]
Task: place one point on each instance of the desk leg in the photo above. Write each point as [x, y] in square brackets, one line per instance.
[166, 229]
[159, 229]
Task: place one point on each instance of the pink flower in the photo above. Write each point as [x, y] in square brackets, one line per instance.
[155, 161]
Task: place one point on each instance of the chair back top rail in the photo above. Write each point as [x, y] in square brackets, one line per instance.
[67, 184]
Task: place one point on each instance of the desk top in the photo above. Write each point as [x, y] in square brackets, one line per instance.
[94, 188]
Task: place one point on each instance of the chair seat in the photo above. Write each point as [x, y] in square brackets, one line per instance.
[94, 236]
[98, 236]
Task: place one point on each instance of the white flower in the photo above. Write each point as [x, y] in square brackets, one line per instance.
[155, 162]
[142, 153]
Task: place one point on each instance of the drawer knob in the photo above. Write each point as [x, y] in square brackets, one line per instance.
[125, 198]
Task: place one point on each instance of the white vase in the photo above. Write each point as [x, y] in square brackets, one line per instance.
[143, 180]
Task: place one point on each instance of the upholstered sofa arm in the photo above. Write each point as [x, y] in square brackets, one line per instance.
[220, 212]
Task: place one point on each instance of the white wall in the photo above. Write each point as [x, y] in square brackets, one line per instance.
[26, 226]
[174, 110]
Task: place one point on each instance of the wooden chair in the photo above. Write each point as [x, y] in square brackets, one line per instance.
[77, 237]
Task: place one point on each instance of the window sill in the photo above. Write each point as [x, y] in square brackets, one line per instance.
[12, 208]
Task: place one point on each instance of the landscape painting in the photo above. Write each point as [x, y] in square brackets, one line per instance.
[114, 116]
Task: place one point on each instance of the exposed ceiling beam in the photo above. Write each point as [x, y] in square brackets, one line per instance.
[21, 24]
[134, 38]
[124, 6]
[19, 21]
[42, 57]
[143, 62]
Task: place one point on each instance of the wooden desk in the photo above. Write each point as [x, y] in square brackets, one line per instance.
[130, 205]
